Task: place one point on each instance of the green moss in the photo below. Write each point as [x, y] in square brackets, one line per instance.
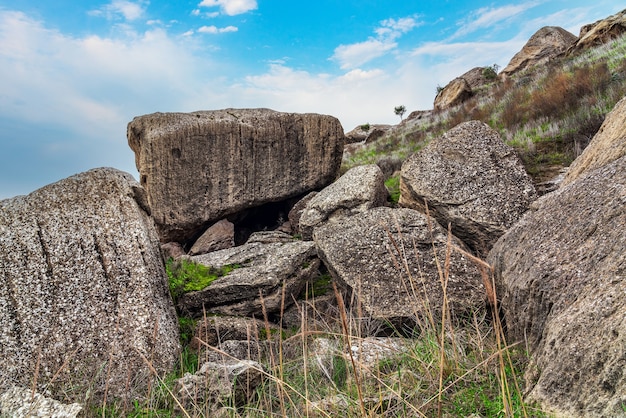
[186, 276]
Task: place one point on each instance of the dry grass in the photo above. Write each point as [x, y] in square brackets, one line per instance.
[445, 367]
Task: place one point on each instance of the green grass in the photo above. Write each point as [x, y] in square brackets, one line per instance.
[393, 186]
[186, 276]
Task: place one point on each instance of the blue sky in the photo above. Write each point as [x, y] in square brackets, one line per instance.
[74, 73]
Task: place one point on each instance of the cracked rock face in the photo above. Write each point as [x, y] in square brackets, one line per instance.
[387, 258]
[470, 179]
[199, 167]
[360, 189]
[561, 275]
[83, 289]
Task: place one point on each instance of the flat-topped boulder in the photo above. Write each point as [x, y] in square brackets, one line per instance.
[199, 167]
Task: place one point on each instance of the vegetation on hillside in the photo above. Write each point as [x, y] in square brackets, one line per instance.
[547, 114]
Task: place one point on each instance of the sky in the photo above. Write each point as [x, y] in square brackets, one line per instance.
[74, 73]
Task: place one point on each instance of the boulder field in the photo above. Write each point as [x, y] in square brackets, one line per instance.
[84, 286]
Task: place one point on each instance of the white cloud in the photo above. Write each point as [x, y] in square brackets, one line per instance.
[489, 17]
[215, 29]
[231, 7]
[128, 10]
[354, 55]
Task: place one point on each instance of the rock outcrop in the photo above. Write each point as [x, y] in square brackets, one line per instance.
[257, 283]
[199, 167]
[367, 133]
[462, 88]
[454, 93]
[561, 276]
[360, 189]
[607, 145]
[387, 257]
[83, 289]
[546, 44]
[471, 179]
[600, 32]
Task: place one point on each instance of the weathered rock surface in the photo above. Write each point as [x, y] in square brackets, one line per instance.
[18, 402]
[454, 93]
[296, 212]
[368, 252]
[360, 189]
[216, 329]
[172, 250]
[219, 236]
[600, 32]
[471, 179]
[561, 276]
[200, 167]
[265, 269]
[546, 44]
[608, 144]
[218, 385]
[371, 134]
[83, 289]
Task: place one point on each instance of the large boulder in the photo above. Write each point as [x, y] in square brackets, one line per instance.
[199, 167]
[390, 258]
[471, 179]
[607, 145]
[600, 32]
[561, 276]
[454, 93]
[263, 273]
[84, 298]
[547, 43]
[360, 189]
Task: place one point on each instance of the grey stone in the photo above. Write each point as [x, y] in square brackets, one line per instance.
[296, 211]
[361, 188]
[561, 275]
[470, 179]
[264, 270]
[18, 402]
[387, 258]
[83, 289]
[219, 384]
[200, 167]
[218, 236]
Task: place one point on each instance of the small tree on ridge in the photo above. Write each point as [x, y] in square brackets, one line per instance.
[399, 110]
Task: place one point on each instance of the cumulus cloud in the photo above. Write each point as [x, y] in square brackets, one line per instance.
[121, 8]
[356, 54]
[65, 101]
[215, 29]
[231, 7]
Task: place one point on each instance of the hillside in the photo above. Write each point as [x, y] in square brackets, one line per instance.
[547, 113]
